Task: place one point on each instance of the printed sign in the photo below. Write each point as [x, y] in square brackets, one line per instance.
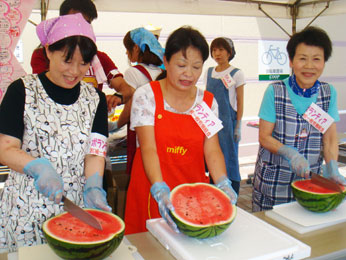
[13, 17]
[318, 118]
[206, 119]
[97, 145]
[273, 61]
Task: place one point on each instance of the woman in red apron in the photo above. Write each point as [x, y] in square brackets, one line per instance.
[172, 147]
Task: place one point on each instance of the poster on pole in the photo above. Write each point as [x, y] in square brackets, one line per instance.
[14, 15]
[273, 61]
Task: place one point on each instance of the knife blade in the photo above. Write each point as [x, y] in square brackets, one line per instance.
[81, 214]
[325, 183]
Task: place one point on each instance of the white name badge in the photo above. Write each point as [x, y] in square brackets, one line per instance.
[228, 81]
[97, 145]
[318, 118]
[206, 119]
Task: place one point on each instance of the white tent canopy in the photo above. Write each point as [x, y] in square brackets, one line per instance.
[275, 8]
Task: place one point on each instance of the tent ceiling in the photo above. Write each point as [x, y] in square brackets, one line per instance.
[275, 8]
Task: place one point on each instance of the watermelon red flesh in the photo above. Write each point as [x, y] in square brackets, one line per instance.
[71, 229]
[201, 210]
[315, 198]
[208, 206]
[70, 238]
[314, 188]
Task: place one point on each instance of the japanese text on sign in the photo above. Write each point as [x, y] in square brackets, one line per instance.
[206, 119]
[97, 145]
[318, 118]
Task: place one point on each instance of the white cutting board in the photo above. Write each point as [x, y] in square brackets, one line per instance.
[295, 217]
[44, 252]
[248, 238]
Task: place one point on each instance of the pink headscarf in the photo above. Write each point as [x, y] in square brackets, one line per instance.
[56, 29]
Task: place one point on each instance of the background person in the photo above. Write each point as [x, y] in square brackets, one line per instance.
[160, 116]
[48, 134]
[289, 145]
[102, 68]
[226, 82]
[142, 47]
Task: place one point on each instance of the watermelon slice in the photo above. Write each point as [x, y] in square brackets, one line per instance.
[316, 198]
[70, 238]
[201, 210]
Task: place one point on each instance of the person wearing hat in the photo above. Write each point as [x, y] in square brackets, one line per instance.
[227, 82]
[53, 135]
[143, 48]
[102, 69]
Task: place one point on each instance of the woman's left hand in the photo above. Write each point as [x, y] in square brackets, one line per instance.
[225, 184]
[94, 195]
[331, 171]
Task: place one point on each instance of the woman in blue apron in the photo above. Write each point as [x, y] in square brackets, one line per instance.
[227, 84]
[290, 137]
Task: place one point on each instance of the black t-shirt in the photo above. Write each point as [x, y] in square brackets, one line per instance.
[12, 106]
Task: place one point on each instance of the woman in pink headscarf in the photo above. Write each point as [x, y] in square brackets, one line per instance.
[53, 134]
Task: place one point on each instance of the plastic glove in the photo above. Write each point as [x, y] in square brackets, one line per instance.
[331, 171]
[112, 127]
[299, 165]
[94, 195]
[237, 132]
[47, 181]
[160, 191]
[225, 184]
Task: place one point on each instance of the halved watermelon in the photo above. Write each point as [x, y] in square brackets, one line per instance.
[201, 210]
[316, 198]
[70, 238]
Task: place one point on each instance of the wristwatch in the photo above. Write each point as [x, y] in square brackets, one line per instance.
[120, 96]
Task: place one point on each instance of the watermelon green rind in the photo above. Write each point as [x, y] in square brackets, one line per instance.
[317, 202]
[202, 231]
[85, 250]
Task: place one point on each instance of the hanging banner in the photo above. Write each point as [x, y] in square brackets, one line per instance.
[273, 61]
[14, 15]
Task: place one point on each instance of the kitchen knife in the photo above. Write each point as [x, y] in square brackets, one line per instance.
[325, 183]
[81, 214]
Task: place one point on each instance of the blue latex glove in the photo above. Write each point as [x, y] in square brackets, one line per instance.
[331, 171]
[161, 192]
[94, 195]
[237, 132]
[47, 181]
[112, 127]
[225, 184]
[299, 165]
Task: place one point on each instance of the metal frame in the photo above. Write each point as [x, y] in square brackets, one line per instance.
[294, 10]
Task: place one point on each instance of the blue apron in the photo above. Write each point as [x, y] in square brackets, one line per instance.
[228, 116]
[273, 176]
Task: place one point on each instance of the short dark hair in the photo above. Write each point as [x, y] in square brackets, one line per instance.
[86, 46]
[221, 43]
[183, 38]
[312, 36]
[86, 7]
[146, 57]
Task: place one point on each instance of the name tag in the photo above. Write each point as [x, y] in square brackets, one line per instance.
[228, 81]
[97, 145]
[206, 119]
[318, 118]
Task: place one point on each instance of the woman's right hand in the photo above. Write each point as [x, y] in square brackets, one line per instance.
[161, 192]
[299, 165]
[47, 181]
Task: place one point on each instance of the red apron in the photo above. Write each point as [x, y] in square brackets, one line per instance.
[180, 144]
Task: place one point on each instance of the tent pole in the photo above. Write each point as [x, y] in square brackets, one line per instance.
[271, 18]
[327, 6]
